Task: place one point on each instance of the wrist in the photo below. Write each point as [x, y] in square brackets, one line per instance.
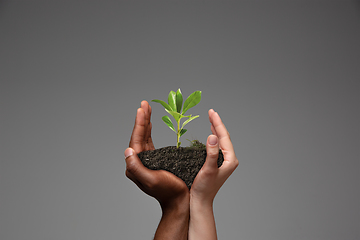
[178, 206]
[200, 202]
[202, 221]
[174, 223]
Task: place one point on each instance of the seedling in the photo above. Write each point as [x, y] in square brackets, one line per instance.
[196, 144]
[176, 109]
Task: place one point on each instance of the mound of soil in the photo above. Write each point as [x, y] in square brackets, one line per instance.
[183, 162]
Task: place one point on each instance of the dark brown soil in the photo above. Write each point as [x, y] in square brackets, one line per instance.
[183, 162]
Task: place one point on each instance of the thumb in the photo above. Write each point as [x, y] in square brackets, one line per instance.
[135, 170]
[212, 152]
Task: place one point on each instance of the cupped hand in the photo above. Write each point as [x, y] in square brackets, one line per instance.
[162, 185]
[168, 189]
[210, 178]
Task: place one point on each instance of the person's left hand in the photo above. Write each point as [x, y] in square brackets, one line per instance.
[210, 178]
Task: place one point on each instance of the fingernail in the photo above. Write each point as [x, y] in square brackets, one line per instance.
[128, 152]
[213, 140]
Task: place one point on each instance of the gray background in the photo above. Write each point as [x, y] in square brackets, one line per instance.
[283, 75]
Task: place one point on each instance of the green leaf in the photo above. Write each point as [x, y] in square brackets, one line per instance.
[191, 101]
[182, 131]
[172, 100]
[176, 115]
[165, 105]
[188, 120]
[179, 100]
[168, 122]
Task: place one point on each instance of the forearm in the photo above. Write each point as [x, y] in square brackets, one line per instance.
[174, 223]
[202, 221]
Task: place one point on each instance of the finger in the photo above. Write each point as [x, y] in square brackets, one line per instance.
[212, 153]
[222, 133]
[148, 143]
[135, 170]
[213, 130]
[230, 161]
[138, 134]
[211, 111]
[145, 106]
[148, 140]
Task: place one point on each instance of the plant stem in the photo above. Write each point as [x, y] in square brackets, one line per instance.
[178, 134]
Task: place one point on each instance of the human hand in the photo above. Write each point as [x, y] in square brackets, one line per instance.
[160, 184]
[210, 178]
[170, 191]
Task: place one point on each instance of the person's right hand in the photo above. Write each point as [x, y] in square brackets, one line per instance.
[160, 184]
[170, 191]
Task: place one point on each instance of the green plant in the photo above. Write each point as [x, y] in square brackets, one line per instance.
[196, 144]
[176, 109]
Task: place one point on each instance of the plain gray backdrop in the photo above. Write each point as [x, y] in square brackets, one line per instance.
[283, 75]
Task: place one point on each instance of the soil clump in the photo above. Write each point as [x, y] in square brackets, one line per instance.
[183, 162]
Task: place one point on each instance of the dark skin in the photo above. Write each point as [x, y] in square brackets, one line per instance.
[170, 191]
